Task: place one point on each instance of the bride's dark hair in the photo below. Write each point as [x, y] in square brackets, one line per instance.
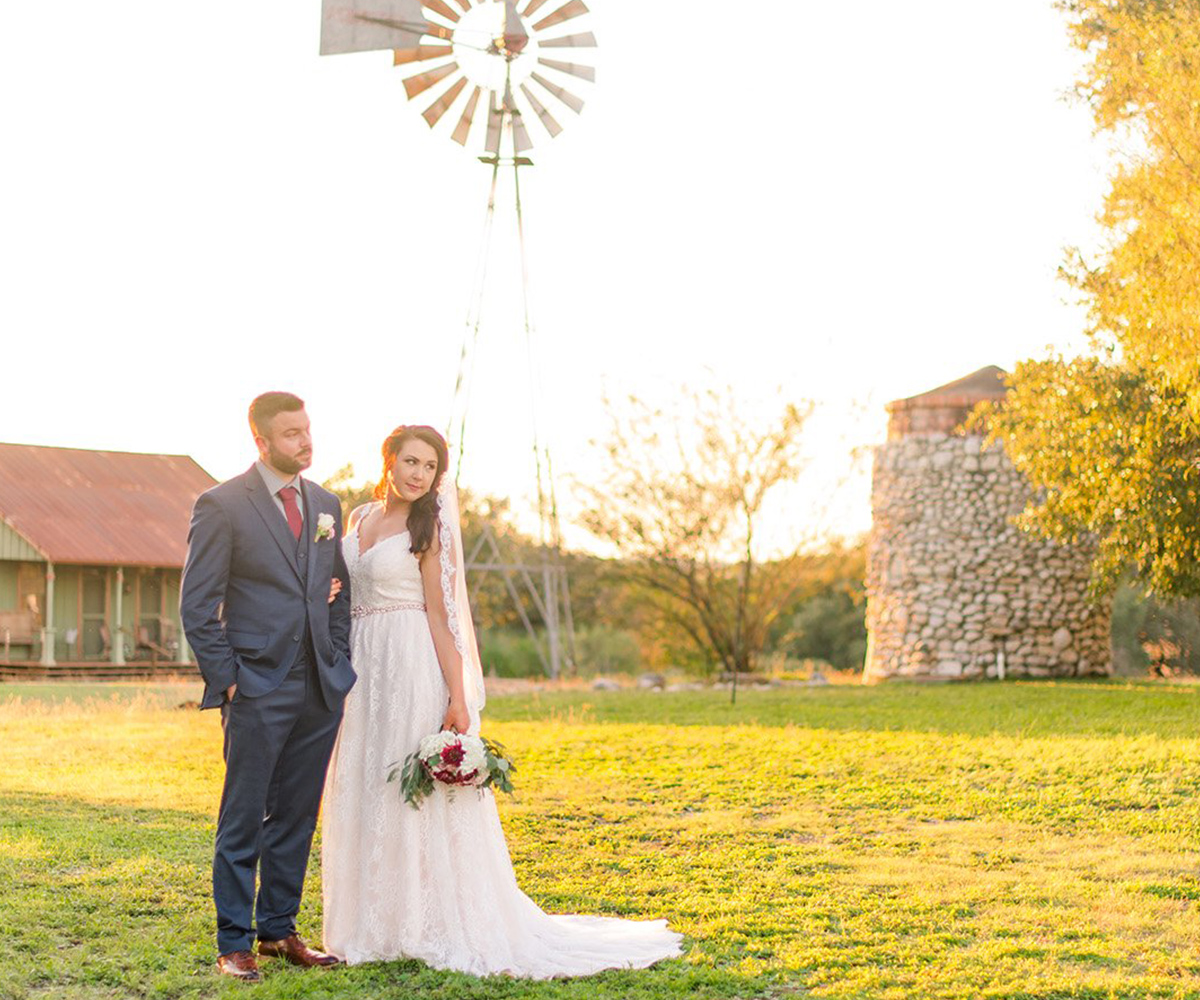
[422, 517]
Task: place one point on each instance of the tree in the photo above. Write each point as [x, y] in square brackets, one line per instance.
[683, 501]
[1159, 637]
[1112, 440]
[490, 601]
[1143, 82]
[341, 485]
[827, 619]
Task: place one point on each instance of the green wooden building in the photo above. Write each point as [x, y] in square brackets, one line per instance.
[92, 545]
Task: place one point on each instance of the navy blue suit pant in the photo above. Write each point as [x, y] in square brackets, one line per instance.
[277, 749]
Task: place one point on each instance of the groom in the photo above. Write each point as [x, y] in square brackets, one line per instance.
[275, 654]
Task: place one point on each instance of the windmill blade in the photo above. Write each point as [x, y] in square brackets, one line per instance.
[441, 7]
[370, 25]
[420, 53]
[569, 99]
[583, 72]
[423, 81]
[434, 112]
[515, 35]
[564, 13]
[521, 140]
[463, 128]
[539, 109]
[586, 40]
[494, 122]
[509, 103]
[532, 6]
[464, 4]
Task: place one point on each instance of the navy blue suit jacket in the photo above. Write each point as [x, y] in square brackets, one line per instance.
[250, 589]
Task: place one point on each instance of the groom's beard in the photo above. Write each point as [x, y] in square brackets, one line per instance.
[286, 463]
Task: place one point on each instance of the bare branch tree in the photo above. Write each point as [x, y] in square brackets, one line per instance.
[683, 503]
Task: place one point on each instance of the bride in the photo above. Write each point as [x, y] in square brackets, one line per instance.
[434, 884]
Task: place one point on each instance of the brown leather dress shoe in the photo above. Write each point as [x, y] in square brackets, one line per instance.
[293, 949]
[239, 965]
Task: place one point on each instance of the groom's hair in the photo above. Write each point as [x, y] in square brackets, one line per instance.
[268, 406]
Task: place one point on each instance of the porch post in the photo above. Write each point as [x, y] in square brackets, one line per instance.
[48, 619]
[117, 650]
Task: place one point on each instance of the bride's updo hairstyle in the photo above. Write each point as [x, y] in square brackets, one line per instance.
[422, 517]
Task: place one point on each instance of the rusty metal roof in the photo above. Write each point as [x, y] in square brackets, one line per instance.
[108, 508]
[987, 383]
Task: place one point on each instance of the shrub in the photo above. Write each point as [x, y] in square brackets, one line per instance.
[1159, 636]
[603, 650]
[508, 653]
[831, 627]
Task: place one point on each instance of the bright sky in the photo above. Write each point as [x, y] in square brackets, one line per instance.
[857, 201]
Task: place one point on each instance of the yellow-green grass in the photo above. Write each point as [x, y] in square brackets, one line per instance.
[1033, 841]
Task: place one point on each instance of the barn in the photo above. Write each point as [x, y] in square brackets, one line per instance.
[92, 545]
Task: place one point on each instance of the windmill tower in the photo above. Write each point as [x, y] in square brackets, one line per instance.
[511, 62]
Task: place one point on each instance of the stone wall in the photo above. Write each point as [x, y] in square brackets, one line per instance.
[953, 587]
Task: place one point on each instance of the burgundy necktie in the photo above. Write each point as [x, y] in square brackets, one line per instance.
[288, 495]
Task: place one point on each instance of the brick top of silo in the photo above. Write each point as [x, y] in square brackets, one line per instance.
[943, 410]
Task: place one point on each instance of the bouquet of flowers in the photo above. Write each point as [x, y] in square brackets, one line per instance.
[453, 759]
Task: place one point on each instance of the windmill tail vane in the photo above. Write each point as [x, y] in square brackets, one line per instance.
[468, 50]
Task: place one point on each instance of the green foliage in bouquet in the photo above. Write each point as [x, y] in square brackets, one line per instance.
[500, 766]
[416, 781]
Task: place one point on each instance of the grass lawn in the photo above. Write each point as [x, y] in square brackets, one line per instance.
[1024, 841]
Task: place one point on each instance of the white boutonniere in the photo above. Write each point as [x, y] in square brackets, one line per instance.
[324, 526]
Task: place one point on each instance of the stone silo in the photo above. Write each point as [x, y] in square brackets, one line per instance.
[954, 589]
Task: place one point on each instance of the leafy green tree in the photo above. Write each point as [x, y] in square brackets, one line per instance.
[606, 614]
[827, 620]
[341, 485]
[1142, 82]
[1112, 440]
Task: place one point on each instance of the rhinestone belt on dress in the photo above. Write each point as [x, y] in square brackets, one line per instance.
[362, 610]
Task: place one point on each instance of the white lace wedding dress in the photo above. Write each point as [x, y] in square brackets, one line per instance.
[434, 884]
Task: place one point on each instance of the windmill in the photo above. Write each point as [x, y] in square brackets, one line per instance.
[518, 65]
[514, 58]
